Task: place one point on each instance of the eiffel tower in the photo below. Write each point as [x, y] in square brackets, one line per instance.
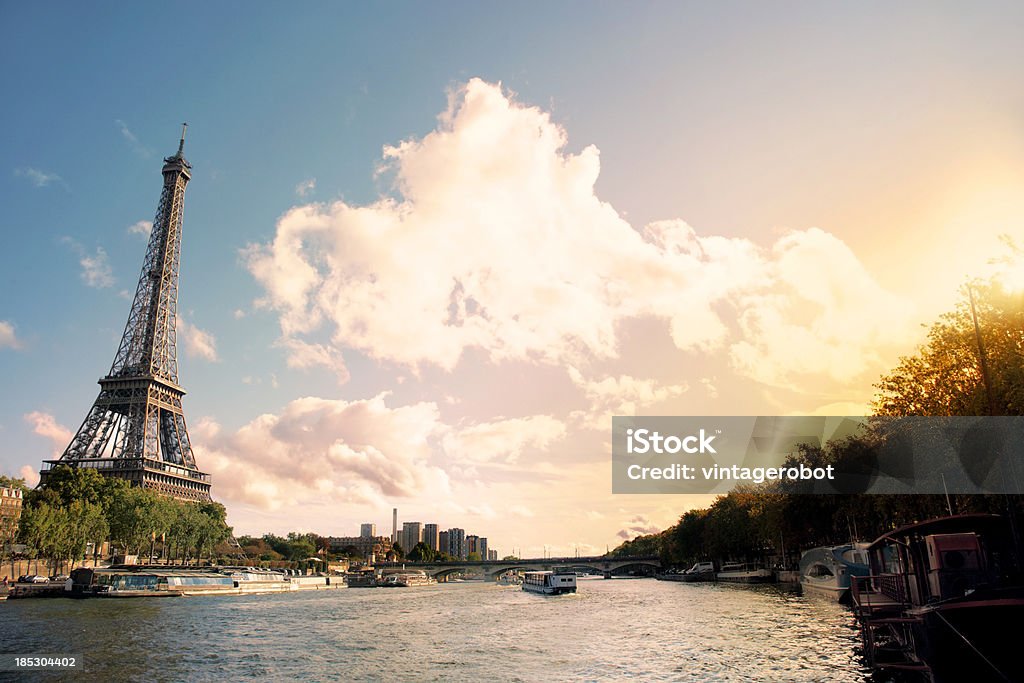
[136, 428]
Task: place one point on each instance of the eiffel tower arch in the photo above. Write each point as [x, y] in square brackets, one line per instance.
[136, 429]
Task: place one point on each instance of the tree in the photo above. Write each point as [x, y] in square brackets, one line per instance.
[65, 485]
[134, 515]
[183, 532]
[421, 552]
[473, 557]
[945, 376]
[397, 550]
[86, 524]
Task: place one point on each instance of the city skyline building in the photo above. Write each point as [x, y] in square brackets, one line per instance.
[457, 543]
[412, 533]
[367, 530]
[442, 543]
[431, 536]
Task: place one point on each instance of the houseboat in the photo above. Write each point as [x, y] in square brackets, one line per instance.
[944, 598]
[146, 583]
[737, 572]
[405, 578]
[827, 571]
[132, 581]
[550, 583]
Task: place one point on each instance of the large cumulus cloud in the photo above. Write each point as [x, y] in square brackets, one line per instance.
[495, 240]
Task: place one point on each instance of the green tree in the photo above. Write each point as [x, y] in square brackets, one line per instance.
[421, 552]
[473, 557]
[134, 514]
[65, 485]
[86, 524]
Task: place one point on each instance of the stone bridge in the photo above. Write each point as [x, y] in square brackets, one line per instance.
[491, 569]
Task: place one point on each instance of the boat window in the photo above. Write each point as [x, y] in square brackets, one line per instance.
[819, 570]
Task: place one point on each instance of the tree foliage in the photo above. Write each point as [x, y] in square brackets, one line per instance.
[79, 506]
[945, 376]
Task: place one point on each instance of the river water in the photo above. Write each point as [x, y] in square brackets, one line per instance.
[623, 629]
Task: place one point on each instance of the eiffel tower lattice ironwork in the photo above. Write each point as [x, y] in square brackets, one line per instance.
[136, 427]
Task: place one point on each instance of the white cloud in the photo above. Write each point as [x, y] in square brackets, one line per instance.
[824, 315]
[29, 474]
[622, 395]
[306, 187]
[96, 271]
[304, 355]
[319, 449]
[497, 242]
[8, 336]
[38, 178]
[132, 139]
[141, 228]
[239, 314]
[198, 342]
[46, 426]
[502, 440]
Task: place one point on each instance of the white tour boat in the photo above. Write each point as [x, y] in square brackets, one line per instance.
[550, 583]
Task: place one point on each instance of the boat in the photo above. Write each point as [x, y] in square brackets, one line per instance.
[138, 581]
[405, 578]
[738, 572]
[944, 598]
[253, 580]
[364, 579]
[145, 583]
[827, 571]
[550, 582]
[701, 571]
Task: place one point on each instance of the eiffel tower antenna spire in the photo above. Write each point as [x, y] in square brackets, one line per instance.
[135, 429]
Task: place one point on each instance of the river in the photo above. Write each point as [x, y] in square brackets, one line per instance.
[623, 629]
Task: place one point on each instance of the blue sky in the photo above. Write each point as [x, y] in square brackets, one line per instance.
[861, 160]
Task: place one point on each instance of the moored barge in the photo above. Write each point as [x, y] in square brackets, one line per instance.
[944, 598]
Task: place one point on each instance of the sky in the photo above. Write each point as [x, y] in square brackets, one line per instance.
[430, 249]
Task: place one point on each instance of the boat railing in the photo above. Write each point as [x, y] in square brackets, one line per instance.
[878, 591]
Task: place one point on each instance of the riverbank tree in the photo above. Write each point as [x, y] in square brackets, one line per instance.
[79, 507]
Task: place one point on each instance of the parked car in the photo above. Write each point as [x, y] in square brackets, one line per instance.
[33, 578]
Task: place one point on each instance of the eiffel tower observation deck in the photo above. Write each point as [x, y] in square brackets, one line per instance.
[135, 429]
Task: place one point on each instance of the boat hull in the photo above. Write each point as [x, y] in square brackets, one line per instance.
[972, 639]
[548, 590]
[826, 591]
